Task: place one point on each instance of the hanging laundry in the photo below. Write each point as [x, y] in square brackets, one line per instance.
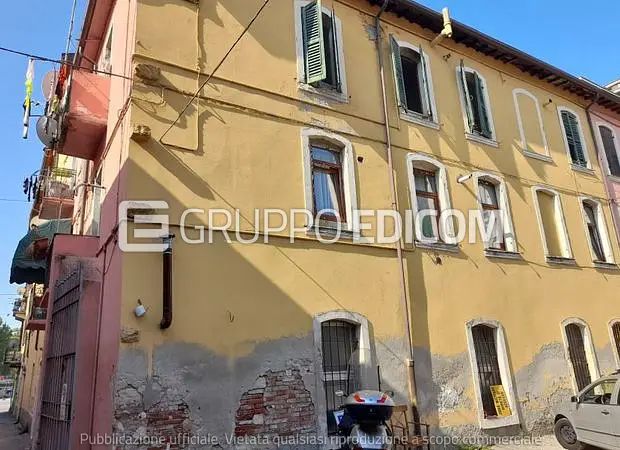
[28, 100]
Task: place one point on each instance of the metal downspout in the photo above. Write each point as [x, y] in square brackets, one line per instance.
[413, 400]
[600, 155]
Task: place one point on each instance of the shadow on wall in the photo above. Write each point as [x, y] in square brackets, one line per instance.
[240, 357]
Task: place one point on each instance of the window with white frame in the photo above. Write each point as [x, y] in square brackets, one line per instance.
[428, 186]
[580, 352]
[320, 56]
[495, 209]
[475, 104]
[491, 374]
[344, 361]
[594, 223]
[614, 334]
[329, 180]
[413, 83]
[105, 63]
[574, 140]
[610, 146]
[551, 223]
[530, 122]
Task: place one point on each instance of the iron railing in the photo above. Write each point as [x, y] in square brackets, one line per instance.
[577, 353]
[57, 182]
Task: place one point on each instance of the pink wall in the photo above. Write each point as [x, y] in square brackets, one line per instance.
[601, 116]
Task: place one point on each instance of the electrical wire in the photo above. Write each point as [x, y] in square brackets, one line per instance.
[245, 30]
[57, 61]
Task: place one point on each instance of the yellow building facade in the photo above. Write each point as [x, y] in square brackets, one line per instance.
[481, 337]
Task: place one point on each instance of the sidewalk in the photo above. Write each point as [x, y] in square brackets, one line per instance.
[9, 439]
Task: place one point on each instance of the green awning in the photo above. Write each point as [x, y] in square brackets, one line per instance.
[29, 263]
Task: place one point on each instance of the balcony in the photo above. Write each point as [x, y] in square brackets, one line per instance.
[12, 357]
[19, 310]
[86, 119]
[56, 193]
[37, 319]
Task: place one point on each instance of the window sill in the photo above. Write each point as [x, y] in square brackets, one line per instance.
[578, 168]
[340, 97]
[561, 260]
[502, 254]
[537, 156]
[499, 422]
[328, 232]
[441, 246]
[605, 265]
[481, 140]
[419, 120]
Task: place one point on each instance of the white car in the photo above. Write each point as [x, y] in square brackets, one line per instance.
[592, 417]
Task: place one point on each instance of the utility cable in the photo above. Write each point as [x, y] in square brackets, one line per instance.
[245, 30]
[57, 61]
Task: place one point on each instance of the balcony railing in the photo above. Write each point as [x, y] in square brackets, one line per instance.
[19, 309]
[56, 193]
[12, 357]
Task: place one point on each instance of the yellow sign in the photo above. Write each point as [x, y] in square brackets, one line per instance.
[501, 400]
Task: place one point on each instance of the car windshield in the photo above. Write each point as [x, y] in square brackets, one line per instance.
[600, 393]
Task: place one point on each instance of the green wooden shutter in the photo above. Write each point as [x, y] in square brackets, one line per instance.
[573, 138]
[426, 85]
[314, 44]
[399, 80]
[483, 114]
[466, 98]
[336, 50]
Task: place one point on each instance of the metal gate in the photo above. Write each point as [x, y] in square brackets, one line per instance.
[488, 365]
[56, 401]
[616, 331]
[577, 353]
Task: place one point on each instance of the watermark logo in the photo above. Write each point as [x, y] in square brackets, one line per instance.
[450, 226]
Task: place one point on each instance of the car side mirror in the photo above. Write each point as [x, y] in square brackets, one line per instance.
[574, 399]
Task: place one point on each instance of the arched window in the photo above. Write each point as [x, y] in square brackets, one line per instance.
[329, 179]
[492, 198]
[580, 352]
[609, 143]
[475, 105]
[574, 140]
[343, 342]
[614, 334]
[428, 185]
[492, 376]
[320, 56]
[596, 231]
[552, 225]
[413, 83]
[530, 122]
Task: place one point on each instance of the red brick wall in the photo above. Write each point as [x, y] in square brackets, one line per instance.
[278, 404]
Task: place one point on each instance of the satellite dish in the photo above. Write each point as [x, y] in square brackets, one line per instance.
[48, 85]
[47, 130]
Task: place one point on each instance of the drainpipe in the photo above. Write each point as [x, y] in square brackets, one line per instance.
[413, 400]
[83, 213]
[600, 153]
[166, 320]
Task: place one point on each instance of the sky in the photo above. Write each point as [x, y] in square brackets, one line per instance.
[576, 36]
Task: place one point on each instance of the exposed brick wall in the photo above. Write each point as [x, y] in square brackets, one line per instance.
[278, 404]
[169, 423]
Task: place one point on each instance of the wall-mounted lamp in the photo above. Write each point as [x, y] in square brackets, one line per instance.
[463, 178]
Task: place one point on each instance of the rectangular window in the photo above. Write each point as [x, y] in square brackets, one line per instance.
[106, 60]
[339, 342]
[572, 134]
[320, 46]
[488, 195]
[611, 152]
[615, 331]
[413, 88]
[485, 347]
[593, 232]
[427, 199]
[327, 185]
[476, 107]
